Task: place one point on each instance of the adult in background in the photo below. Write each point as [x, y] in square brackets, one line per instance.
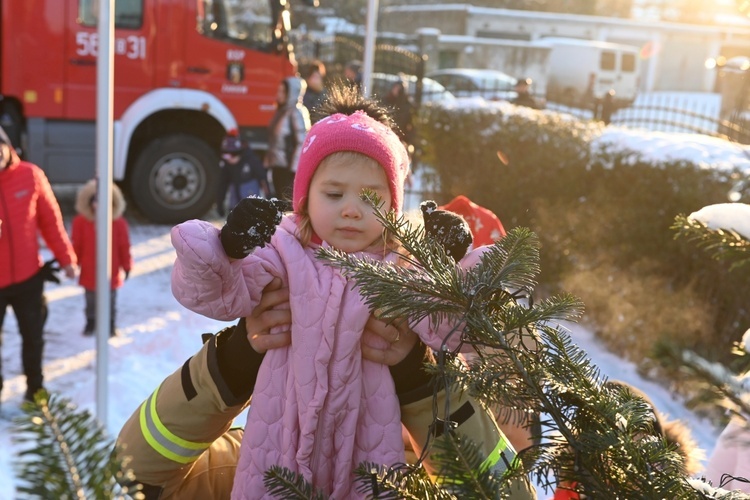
[28, 208]
[523, 91]
[314, 75]
[401, 109]
[353, 74]
[286, 133]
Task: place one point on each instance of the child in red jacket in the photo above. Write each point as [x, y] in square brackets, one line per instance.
[84, 243]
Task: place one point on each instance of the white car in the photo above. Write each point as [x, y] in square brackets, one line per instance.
[432, 91]
[487, 83]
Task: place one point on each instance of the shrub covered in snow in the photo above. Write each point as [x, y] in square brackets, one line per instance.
[602, 200]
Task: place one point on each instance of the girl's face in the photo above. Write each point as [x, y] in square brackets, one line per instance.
[337, 213]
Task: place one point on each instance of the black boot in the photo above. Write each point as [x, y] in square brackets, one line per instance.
[90, 326]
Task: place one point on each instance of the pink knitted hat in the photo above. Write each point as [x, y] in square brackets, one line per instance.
[357, 132]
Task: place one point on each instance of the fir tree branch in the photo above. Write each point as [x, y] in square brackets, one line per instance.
[721, 244]
[66, 454]
[289, 485]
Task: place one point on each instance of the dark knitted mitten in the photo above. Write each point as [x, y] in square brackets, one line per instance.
[447, 228]
[48, 271]
[251, 224]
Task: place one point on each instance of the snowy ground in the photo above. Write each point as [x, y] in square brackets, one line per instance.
[158, 334]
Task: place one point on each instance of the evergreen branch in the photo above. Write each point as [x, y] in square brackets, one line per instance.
[723, 384]
[391, 483]
[284, 483]
[66, 454]
[511, 263]
[721, 244]
[461, 470]
[606, 449]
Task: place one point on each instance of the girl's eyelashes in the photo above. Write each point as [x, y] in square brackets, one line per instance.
[334, 195]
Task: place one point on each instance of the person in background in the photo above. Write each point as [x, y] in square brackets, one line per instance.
[314, 75]
[401, 108]
[484, 224]
[84, 244]
[286, 133]
[353, 74]
[729, 463]
[242, 172]
[608, 106]
[523, 91]
[28, 208]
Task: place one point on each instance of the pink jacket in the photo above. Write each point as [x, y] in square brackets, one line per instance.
[318, 408]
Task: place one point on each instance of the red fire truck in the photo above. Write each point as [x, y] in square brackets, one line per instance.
[185, 72]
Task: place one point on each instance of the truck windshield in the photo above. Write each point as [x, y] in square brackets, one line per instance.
[246, 22]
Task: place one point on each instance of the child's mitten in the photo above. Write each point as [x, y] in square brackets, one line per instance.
[250, 224]
[447, 228]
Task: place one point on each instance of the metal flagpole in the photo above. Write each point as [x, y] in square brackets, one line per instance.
[368, 61]
[104, 116]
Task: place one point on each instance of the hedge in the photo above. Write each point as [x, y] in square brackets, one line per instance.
[603, 216]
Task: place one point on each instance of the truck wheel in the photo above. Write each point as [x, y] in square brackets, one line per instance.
[174, 179]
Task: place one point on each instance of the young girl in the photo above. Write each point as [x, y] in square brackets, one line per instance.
[318, 408]
[83, 235]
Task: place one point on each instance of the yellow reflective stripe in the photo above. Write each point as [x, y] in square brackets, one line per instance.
[492, 460]
[162, 440]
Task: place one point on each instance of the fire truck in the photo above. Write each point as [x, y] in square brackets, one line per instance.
[186, 71]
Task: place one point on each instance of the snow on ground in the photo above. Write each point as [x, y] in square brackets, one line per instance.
[158, 334]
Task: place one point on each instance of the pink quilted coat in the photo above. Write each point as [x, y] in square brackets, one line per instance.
[318, 408]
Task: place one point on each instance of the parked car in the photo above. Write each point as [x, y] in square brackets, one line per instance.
[487, 83]
[432, 91]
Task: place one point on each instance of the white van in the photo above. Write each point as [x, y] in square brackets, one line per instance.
[581, 70]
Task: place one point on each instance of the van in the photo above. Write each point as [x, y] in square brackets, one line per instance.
[583, 71]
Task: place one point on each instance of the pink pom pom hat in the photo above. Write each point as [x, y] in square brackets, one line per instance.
[359, 133]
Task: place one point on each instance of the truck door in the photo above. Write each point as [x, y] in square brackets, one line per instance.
[232, 55]
[629, 76]
[133, 56]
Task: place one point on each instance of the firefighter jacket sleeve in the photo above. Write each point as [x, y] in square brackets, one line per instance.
[466, 417]
[178, 441]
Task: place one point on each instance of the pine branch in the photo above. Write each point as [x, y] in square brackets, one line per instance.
[289, 485]
[721, 244]
[595, 437]
[391, 483]
[461, 470]
[67, 454]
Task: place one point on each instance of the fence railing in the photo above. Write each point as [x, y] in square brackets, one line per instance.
[698, 113]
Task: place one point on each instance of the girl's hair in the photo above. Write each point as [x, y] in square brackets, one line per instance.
[347, 100]
[304, 225]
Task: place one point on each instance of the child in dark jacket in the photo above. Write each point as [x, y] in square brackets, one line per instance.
[84, 244]
[242, 173]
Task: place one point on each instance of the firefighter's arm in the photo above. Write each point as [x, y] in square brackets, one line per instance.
[177, 442]
[471, 420]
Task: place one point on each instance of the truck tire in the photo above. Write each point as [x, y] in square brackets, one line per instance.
[175, 179]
